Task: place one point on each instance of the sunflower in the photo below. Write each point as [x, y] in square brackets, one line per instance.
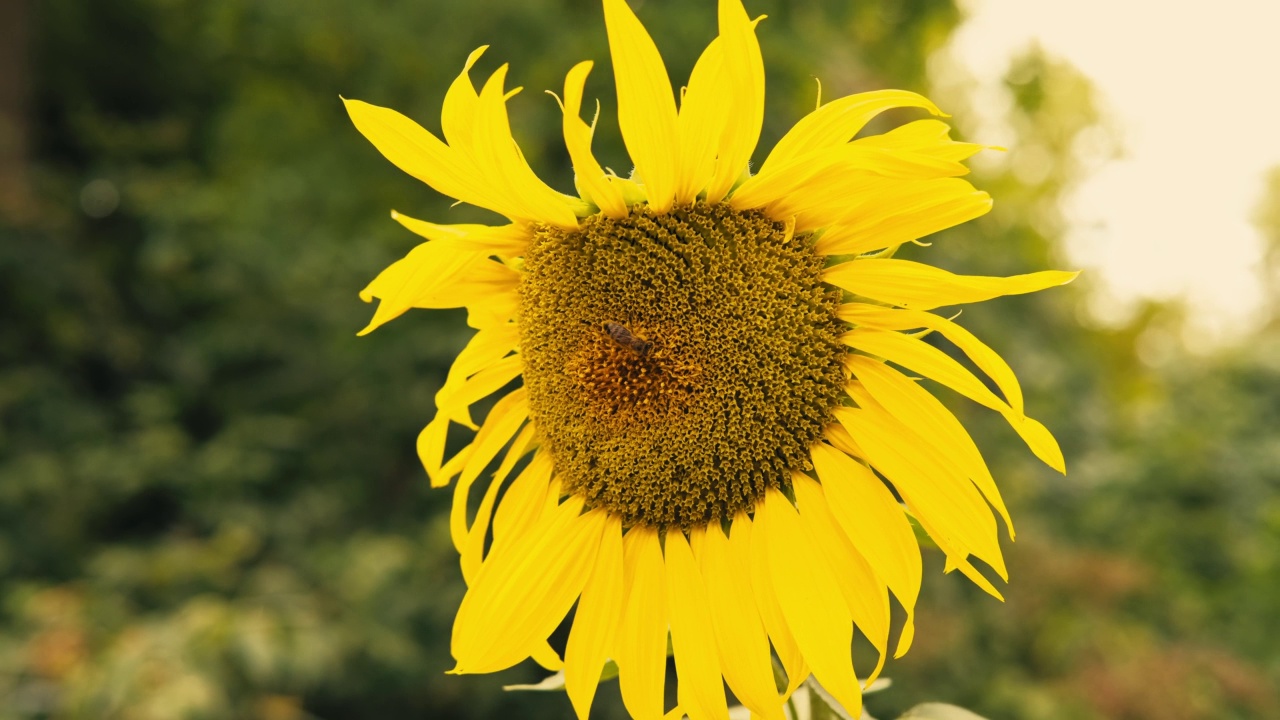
[713, 437]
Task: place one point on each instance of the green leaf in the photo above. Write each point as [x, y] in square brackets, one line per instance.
[556, 681]
[879, 684]
[552, 682]
[822, 706]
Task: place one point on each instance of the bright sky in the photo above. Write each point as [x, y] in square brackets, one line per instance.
[1193, 89]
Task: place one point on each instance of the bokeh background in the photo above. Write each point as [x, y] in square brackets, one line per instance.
[210, 505]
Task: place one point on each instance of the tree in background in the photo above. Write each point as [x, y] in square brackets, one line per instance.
[209, 501]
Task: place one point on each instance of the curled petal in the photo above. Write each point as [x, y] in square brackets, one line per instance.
[936, 365]
[901, 213]
[602, 189]
[505, 241]
[503, 422]
[497, 157]
[918, 408]
[836, 123]
[930, 484]
[918, 286]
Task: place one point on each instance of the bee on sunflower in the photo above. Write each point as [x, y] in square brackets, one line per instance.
[716, 438]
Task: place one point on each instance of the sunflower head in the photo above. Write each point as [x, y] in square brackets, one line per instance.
[715, 438]
[638, 334]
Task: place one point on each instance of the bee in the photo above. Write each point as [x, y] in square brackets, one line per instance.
[627, 339]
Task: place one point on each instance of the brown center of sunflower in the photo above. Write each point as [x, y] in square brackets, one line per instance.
[678, 364]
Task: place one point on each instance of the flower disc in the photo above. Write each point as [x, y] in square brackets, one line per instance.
[680, 364]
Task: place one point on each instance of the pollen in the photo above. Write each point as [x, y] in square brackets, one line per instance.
[681, 364]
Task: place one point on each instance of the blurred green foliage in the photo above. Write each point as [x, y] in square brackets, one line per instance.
[210, 505]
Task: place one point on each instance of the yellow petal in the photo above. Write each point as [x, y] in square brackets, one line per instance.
[496, 154]
[426, 267]
[697, 543]
[547, 657]
[444, 275]
[749, 546]
[836, 123]
[990, 362]
[919, 409]
[499, 309]
[483, 283]
[818, 195]
[431, 449]
[928, 482]
[920, 356]
[456, 463]
[521, 595]
[416, 151]
[917, 355]
[1039, 439]
[506, 417]
[987, 360]
[523, 502]
[872, 519]
[931, 137]
[810, 599]
[553, 495]
[923, 287]
[484, 348]
[969, 571]
[577, 138]
[504, 420]
[821, 185]
[504, 241]
[744, 76]
[701, 692]
[841, 440]
[646, 106]
[596, 622]
[487, 316]
[739, 632]
[473, 546]
[902, 214]
[825, 197]
[642, 635]
[864, 593]
[455, 400]
[704, 110]
[458, 116]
